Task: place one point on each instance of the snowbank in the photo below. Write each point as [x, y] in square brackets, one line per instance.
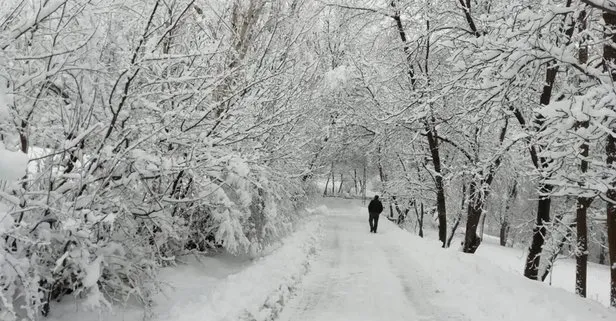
[563, 272]
[221, 288]
[481, 290]
[257, 293]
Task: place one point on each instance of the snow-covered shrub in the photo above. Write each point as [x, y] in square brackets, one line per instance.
[143, 145]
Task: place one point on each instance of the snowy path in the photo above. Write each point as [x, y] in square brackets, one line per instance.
[333, 269]
[362, 276]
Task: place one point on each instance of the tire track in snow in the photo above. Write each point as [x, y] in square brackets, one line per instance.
[415, 287]
[357, 276]
[318, 274]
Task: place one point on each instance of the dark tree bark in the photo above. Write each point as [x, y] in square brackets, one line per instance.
[473, 215]
[609, 56]
[421, 220]
[504, 233]
[552, 258]
[477, 197]
[420, 217]
[407, 51]
[581, 257]
[431, 133]
[438, 179]
[531, 269]
[355, 180]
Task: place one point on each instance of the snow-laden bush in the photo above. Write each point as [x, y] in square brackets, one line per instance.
[147, 137]
[105, 247]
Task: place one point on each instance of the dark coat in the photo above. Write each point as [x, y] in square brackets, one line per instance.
[375, 206]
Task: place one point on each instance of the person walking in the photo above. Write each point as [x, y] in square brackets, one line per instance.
[374, 210]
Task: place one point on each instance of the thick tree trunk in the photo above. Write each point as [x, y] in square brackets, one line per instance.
[581, 253]
[611, 222]
[474, 211]
[504, 233]
[609, 56]
[478, 193]
[440, 190]
[531, 270]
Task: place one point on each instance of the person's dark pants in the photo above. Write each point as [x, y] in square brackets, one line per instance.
[374, 222]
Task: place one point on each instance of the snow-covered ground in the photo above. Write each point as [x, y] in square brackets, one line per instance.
[334, 269]
[563, 272]
[224, 287]
[395, 275]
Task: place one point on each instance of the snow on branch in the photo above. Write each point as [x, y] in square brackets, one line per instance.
[605, 5]
[45, 11]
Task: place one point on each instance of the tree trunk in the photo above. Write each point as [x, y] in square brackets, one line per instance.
[504, 229]
[531, 270]
[504, 233]
[609, 57]
[611, 221]
[341, 181]
[326, 184]
[355, 180]
[420, 216]
[421, 219]
[474, 211]
[581, 253]
[454, 228]
[478, 193]
[552, 258]
[440, 190]
[364, 185]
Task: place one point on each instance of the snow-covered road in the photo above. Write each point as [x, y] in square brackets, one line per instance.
[363, 276]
